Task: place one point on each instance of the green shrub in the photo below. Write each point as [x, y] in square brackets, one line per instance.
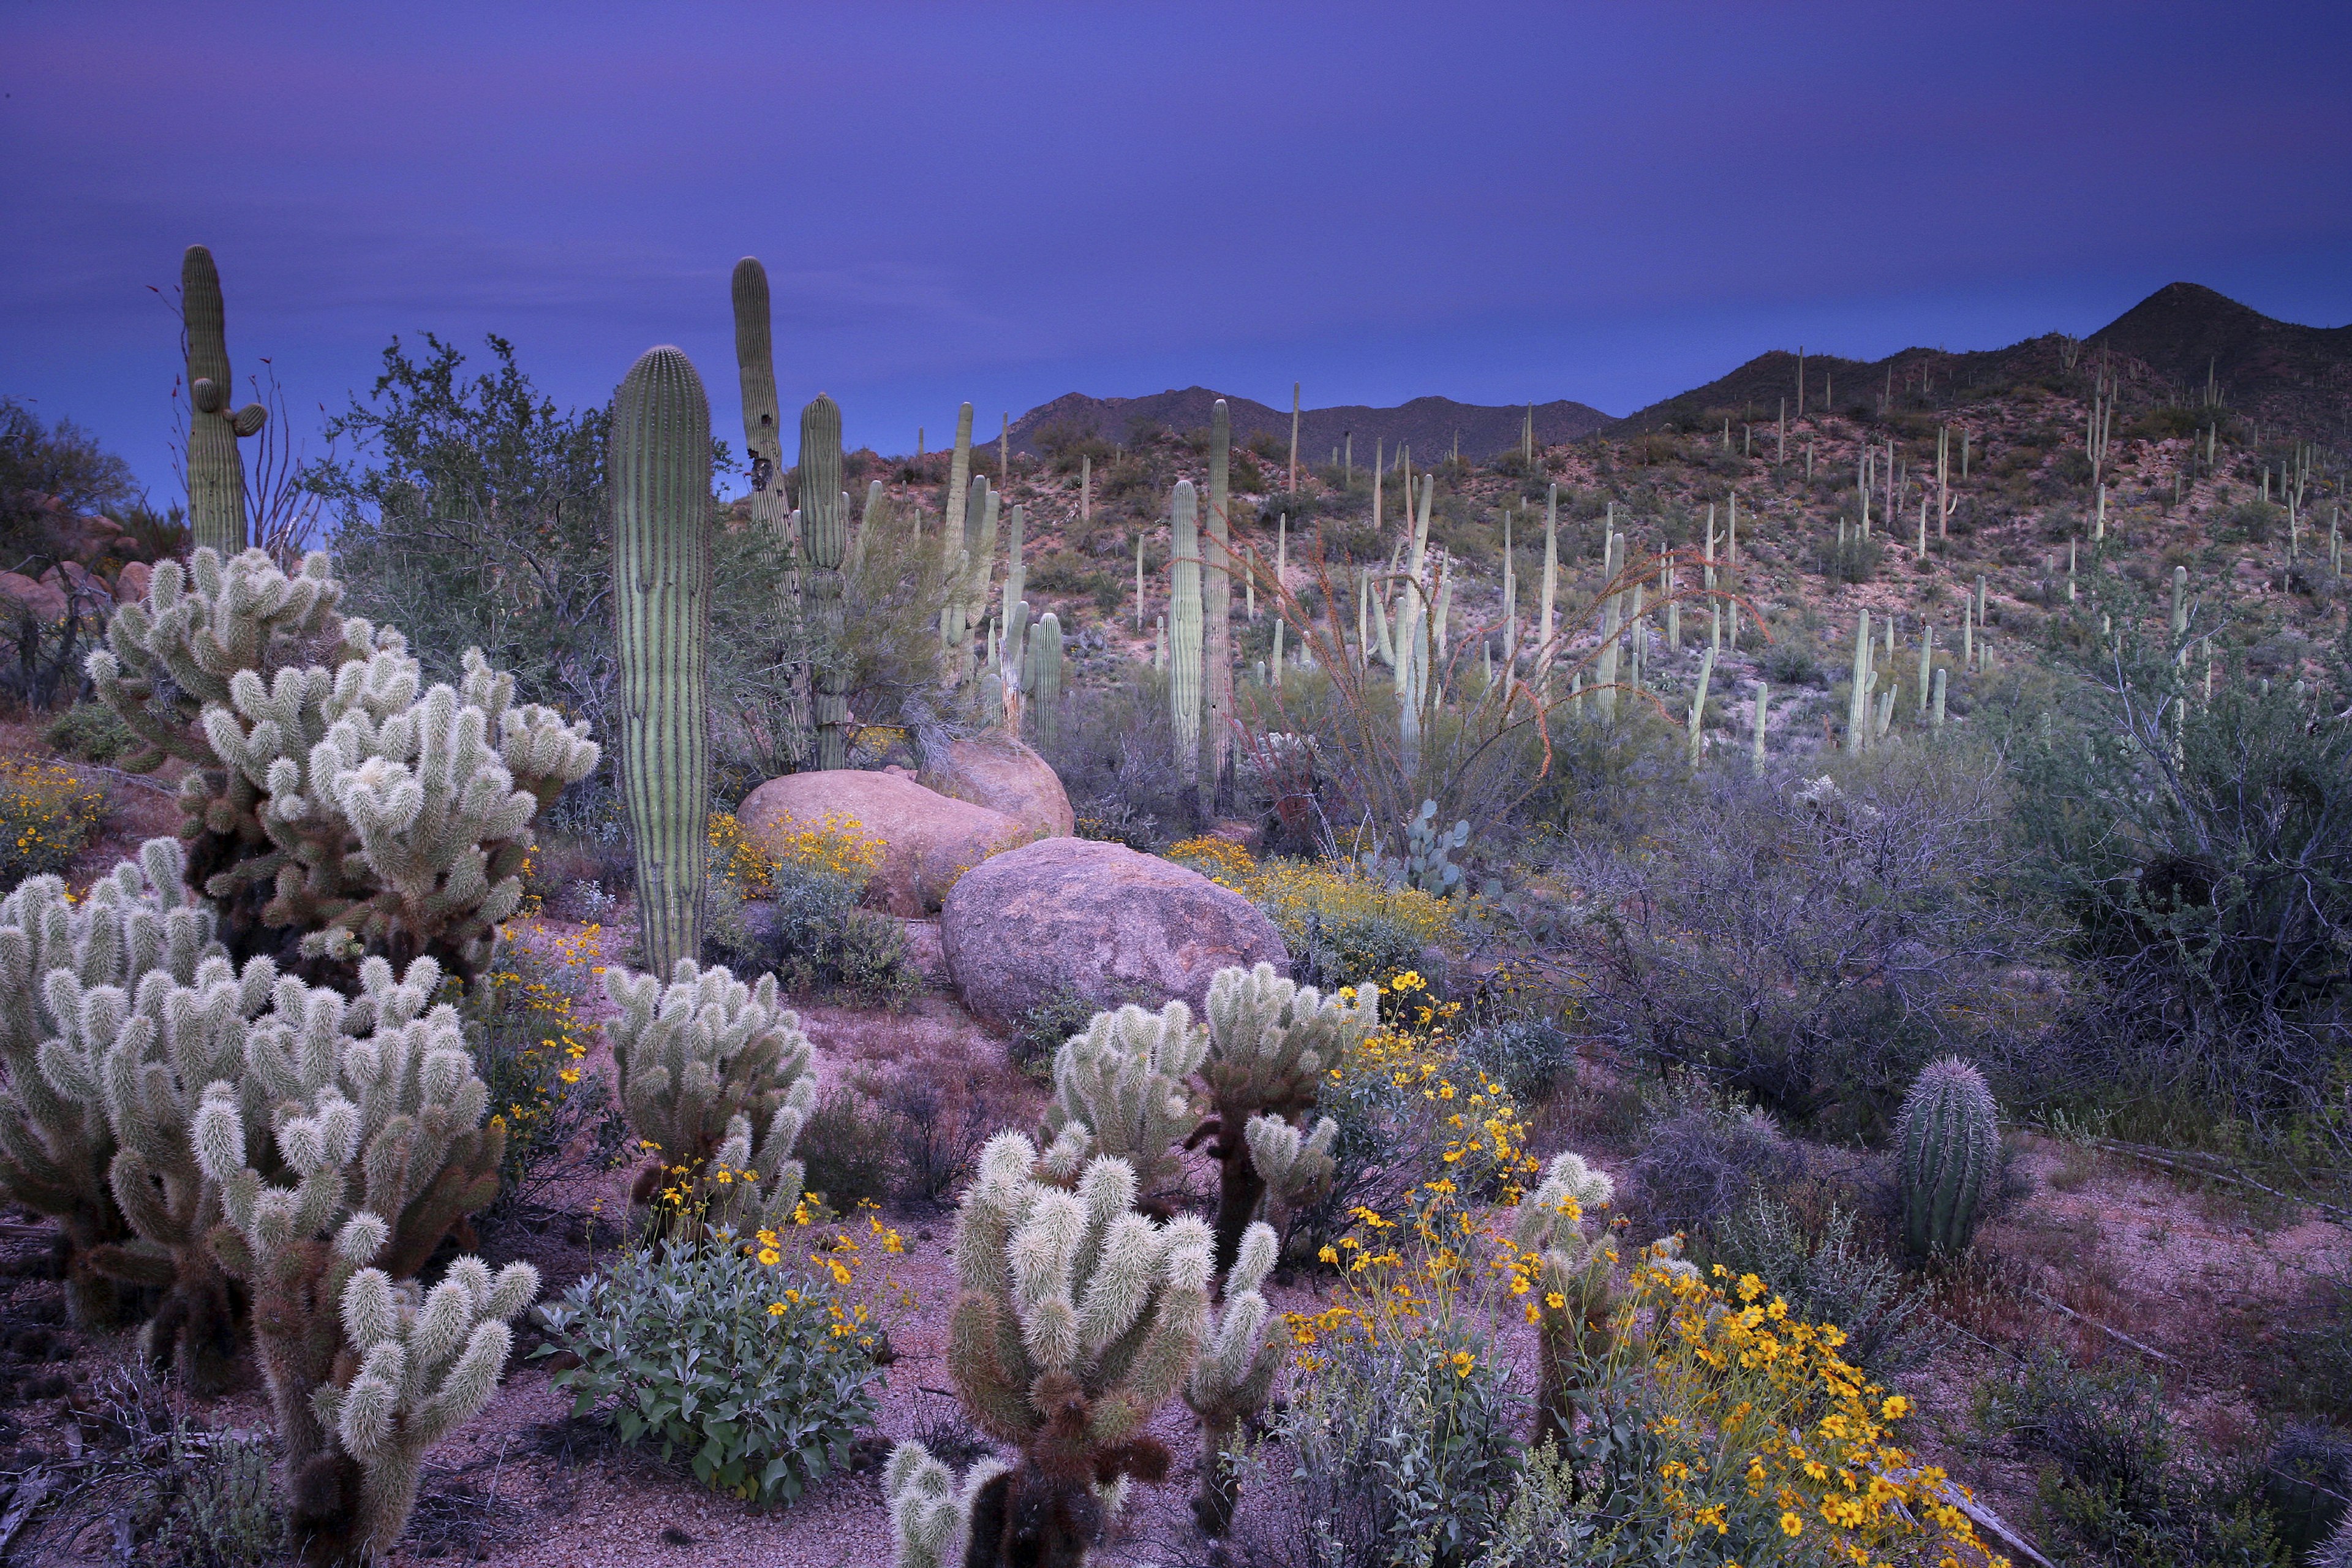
[1828, 1276]
[90, 733]
[728, 1359]
[48, 814]
[1527, 1055]
[1039, 1032]
[849, 1148]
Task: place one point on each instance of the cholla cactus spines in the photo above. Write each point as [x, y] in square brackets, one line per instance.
[216, 473]
[55, 1144]
[1297, 1166]
[661, 577]
[154, 1056]
[1121, 1089]
[429, 1363]
[1948, 1156]
[1075, 1319]
[1270, 1041]
[1229, 1381]
[930, 1512]
[1567, 1269]
[714, 1073]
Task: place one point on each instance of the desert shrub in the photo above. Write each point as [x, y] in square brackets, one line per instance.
[1039, 1032]
[48, 814]
[90, 733]
[2115, 1482]
[530, 1043]
[1829, 1275]
[1703, 1158]
[1110, 820]
[1340, 924]
[1114, 748]
[789, 904]
[757, 1375]
[1792, 661]
[849, 1150]
[2306, 1481]
[1719, 1428]
[939, 1133]
[1811, 945]
[2310, 1372]
[1527, 1055]
[223, 1510]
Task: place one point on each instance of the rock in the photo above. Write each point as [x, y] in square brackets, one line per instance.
[42, 600]
[1075, 915]
[1002, 774]
[928, 839]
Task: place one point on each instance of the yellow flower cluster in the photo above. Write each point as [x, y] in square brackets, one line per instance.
[540, 1001]
[839, 1256]
[48, 813]
[832, 844]
[1334, 895]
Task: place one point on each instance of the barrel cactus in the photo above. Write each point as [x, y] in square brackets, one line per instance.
[661, 577]
[1948, 1156]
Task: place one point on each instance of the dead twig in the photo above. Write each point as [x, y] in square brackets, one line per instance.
[2116, 1334]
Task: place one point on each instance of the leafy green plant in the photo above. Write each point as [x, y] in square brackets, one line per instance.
[1529, 1056]
[89, 731]
[753, 1374]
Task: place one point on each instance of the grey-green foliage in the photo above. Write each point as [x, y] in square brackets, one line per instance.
[1948, 1156]
[56, 1146]
[1829, 1275]
[930, 1511]
[678, 1349]
[1230, 1383]
[1427, 864]
[1123, 1090]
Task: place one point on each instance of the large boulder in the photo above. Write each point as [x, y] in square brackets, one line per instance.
[1001, 773]
[1075, 916]
[928, 839]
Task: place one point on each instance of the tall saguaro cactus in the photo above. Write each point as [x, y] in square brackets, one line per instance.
[1184, 628]
[1217, 601]
[216, 473]
[661, 569]
[824, 528]
[763, 448]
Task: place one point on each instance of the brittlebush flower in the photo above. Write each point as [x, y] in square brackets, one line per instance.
[775, 1308]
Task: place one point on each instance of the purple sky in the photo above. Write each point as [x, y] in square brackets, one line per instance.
[1497, 202]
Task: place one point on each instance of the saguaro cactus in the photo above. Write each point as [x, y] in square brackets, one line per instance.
[1217, 602]
[661, 571]
[1074, 1318]
[1044, 679]
[764, 449]
[717, 1077]
[1948, 1156]
[215, 472]
[1570, 1293]
[1184, 628]
[824, 528]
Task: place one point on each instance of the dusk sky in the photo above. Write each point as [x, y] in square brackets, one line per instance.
[1003, 204]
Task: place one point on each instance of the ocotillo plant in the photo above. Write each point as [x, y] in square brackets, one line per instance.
[1230, 1383]
[1567, 1275]
[1948, 1156]
[215, 472]
[661, 571]
[719, 1080]
[57, 1147]
[825, 530]
[1271, 1041]
[1184, 628]
[764, 449]
[1075, 1319]
[1217, 604]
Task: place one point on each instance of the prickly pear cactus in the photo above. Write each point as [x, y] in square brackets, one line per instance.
[1948, 1156]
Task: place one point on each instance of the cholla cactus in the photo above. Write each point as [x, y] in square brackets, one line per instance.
[930, 1514]
[1232, 1377]
[148, 1059]
[380, 1151]
[718, 1080]
[55, 1144]
[1568, 1273]
[1074, 1318]
[1947, 1153]
[429, 1363]
[333, 798]
[1270, 1044]
[1121, 1089]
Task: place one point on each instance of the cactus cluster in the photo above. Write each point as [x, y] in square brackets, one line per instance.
[1571, 1286]
[661, 582]
[334, 807]
[719, 1079]
[1948, 1156]
[1074, 1318]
